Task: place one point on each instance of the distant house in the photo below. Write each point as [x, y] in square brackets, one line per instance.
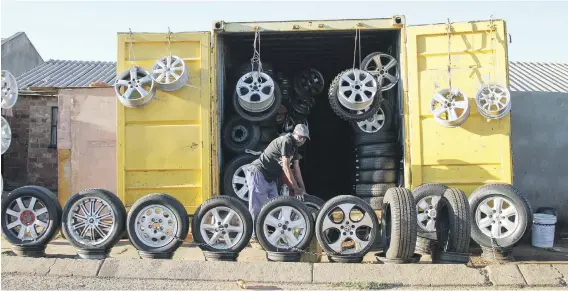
[19, 54]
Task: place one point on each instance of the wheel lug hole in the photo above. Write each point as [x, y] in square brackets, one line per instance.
[344, 233]
[218, 223]
[226, 225]
[280, 225]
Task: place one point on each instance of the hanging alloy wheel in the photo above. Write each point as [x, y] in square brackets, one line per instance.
[31, 217]
[450, 107]
[357, 89]
[255, 91]
[170, 73]
[499, 211]
[9, 90]
[261, 116]
[222, 224]
[94, 221]
[6, 135]
[398, 225]
[344, 112]
[157, 224]
[453, 222]
[284, 224]
[308, 83]
[240, 134]
[427, 197]
[135, 87]
[379, 122]
[493, 101]
[383, 67]
[346, 225]
[234, 181]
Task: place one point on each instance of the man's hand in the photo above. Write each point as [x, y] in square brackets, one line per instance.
[299, 193]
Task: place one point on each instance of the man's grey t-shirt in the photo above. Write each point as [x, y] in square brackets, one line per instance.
[270, 162]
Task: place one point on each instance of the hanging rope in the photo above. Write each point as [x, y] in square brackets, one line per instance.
[496, 72]
[169, 41]
[256, 51]
[357, 44]
[449, 54]
[131, 56]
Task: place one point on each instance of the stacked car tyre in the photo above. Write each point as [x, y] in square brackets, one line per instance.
[426, 197]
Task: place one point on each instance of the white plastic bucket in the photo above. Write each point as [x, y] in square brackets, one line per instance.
[543, 230]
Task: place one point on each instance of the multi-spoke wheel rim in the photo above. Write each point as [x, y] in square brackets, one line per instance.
[135, 87]
[357, 89]
[6, 135]
[426, 211]
[310, 82]
[91, 221]
[156, 225]
[284, 227]
[493, 101]
[374, 123]
[450, 107]
[346, 228]
[27, 218]
[255, 91]
[240, 184]
[288, 125]
[384, 68]
[221, 228]
[170, 73]
[9, 90]
[497, 217]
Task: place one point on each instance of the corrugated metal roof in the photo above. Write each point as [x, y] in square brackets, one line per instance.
[61, 73]
[538, 77]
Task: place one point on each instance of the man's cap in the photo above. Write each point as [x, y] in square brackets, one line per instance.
[302, 129]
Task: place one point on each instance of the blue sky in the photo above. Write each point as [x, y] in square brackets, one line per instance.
[86, 30]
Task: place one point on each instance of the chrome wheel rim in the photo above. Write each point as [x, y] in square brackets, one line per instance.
[284, 227]
[6, 135]
[156, 225]
[170, 73]
[426, 213]
[351, 228]
[384, 68]
[9, 90]
[27, 218]
[221, 228]
[497, 217]
[255, 91]
[91, 221]
[309, 82]
[357, 89]
[373, 124]
[493, 101]
[240, 184]
[135, 87]
[450, 107]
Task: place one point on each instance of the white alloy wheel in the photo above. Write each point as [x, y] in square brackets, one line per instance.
[9, 90]
[347, 223]
[373, 124]
[493, 101]
[357, 89]
[6, 135]
[384, 67]
[450, 107]
[240, 185]
[426, 213]
[284, 227]
[170, 73]
[27, 223]
[156, 225]
[91, 221]
[221, 228]
[135, 87]
[497, 217]
[255, 91]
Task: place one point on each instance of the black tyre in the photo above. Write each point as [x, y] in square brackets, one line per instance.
[453, 222]
[284, 257]
[232, 233]
[376, 203]
[157, 225]
[378, 150]
[346, 114]
[398, 225]
[291, 230]
[381, 122]
[379, 137]
[426, 197]
[240, 134]
[267, 134]
[31, 217]
[377, 163]
[234, 183]
[301, 108]
[425, 245]
[314, 204]
[510, 197]
[373, 190]
[263, 116]
[308, 83]
[377, 176]
[94, 220]
[358, 227]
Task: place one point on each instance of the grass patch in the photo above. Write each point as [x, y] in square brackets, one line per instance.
[363, 285]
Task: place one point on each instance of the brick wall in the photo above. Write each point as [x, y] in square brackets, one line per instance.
[31, 159]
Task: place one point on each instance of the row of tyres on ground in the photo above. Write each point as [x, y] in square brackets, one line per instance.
[346, 227]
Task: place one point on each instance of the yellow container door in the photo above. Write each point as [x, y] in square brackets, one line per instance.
[165, 147]
[478, 151]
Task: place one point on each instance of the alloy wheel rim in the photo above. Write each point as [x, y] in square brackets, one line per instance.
[156, 225]
[27, 222]
[221, 228]
[91, 221]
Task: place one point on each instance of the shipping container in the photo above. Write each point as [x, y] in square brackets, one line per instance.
[175, 144]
